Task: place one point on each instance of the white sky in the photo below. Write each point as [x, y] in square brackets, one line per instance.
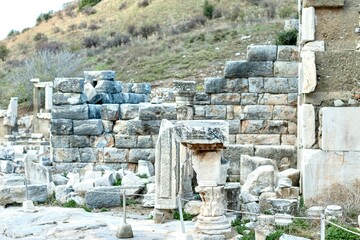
[19, 14]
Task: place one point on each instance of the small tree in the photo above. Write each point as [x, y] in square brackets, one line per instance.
[90, 3]
[208, 9]
[4, 52]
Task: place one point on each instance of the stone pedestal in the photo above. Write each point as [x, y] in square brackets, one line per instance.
[184, 97]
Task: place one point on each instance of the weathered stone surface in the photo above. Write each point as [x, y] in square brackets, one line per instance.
[66, 155]
[99, 75]
[101, 141]
[106, 180]
[273, 99]
[199, 112]
[141, 88]
[75, 112]
[60, 141]
[68, 98]
[88, 155]
[285, 113]
[79, 141]
[323, 3]
[7, 153]
[157, 111]
[215, 85]
[314, 46]
[129, 111]
[130, 179]
[261, 52]
[307, 122]
[286, 69]
[94, 111]
[105, 98]
[215, 112]
[225, 98]
[11, 180]
[288, 193]
[292, 99]
[263, 201]
[145, 168]
[238, 85]
[119, 98]
[114, 155]
[192, 207]
[142, 154]
[84, 186]
[17, 194]
[91, 94]
[145, 142]
[285, 156]
[105, 86]
[308, 79]
[108, 126]
[125, 141]
[245, 69]
[284, 206]
[101, 197]
[256, 85]
[291, 24]
[110, 112]
[291, 237]
[134, 98]
[88, 127]
[69, 85]
[201, 98]
[251, 207]
[288, 53]
[258, 112]
[339, 129]
[264, 126]
[249, 98]
[249, 163]
[280, 85]
[288, 139]
[308, 25]
[262, 178]
[258, 139]
[233, 154]
[61, 127]
[234, 126]
[7, 166]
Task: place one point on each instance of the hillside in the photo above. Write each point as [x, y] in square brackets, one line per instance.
[156, 41]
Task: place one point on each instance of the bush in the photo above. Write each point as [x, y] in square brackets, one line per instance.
[82, 25]
[286, 12]
[87, 3]
[13, 33]
[56, 29]
[270, 9]
[4, 52]
[40, 37]
[208, 9]
[49, 46]
[186, 216]
[44, 17]
[69, 9]
[148, 29]
[91, 41]
[217, 13]
[335, 233]
[132, 30]
[93, 27]
[254, 2]
[88, 10]
[72, 27]
[189, 25]
[287, 37]
[123, 6]
[143, 3]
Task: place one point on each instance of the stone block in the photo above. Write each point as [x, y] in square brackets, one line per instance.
[110, 112]
[99, 75]
[293, 174]
[61, 126]
[118, 98]
[215, 112]
[145, 142]
[292, 99]
[258, 139]
[94, 111]
[115, 155]
[273, 99]
[79, 141]
[157, 111]
[103, 197]
[17, 194]
[308, 25]
[125, 141]
[225, 99]
[285, 113]
[69, 85]
[75, 112]
[249, 98]
[108, 126]
[239, 85]
[308, 78]
[245, 69]
[233, 154]
[248, 164]
[201, 98]
[142, 154]
[253, 126]
[68, 98]
[288, 53]
[315, 46]
[261, 52]
[323, 3]
[286, 69]
[262, 178]
[280, 85]
[129, 111]
[134, 98]
[288, 193]
[234, 126]
[288, 139]
[169, 111]
[121, 126]
[339, 129]
[284, 206]
[215, 85]
[105, 98]
[127, 87]
[238, 112]
[105, 86]
[91, 95]
[258, 112]
[141, 88]
[90, 155]
[66, 155]
[256, 85]
[146, 168]
[230, 112]
[88, 127]
[7, 166]
[61, 141]
[101, 141]
[199, 112]
[292, 128]
[306, 133]
[285, 156]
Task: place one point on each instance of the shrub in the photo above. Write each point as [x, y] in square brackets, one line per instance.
[82, 25]
[132, 30]
[13, 33]
[148, 29]
[123, 6]
[72, 27]
[186, 216]
[4, 52]
[208, 9]
[49, 46]
[275, 235]
[143, 3]
[56, 29]
[44, 17]
[87, 10]
[91, 41]
[87, 3]
[69, 9]
[189, 25]
[40, 37]
[287, 37]
[335, 233]
[217, 13]
[285, 12]
[93, 27]
[254, 2]
[270, 9]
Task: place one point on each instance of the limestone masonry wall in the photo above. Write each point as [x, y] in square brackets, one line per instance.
[100, 120]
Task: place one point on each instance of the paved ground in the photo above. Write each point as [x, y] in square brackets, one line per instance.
[75, 223]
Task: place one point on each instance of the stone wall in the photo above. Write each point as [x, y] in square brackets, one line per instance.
[329, 106]
[97, 119]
